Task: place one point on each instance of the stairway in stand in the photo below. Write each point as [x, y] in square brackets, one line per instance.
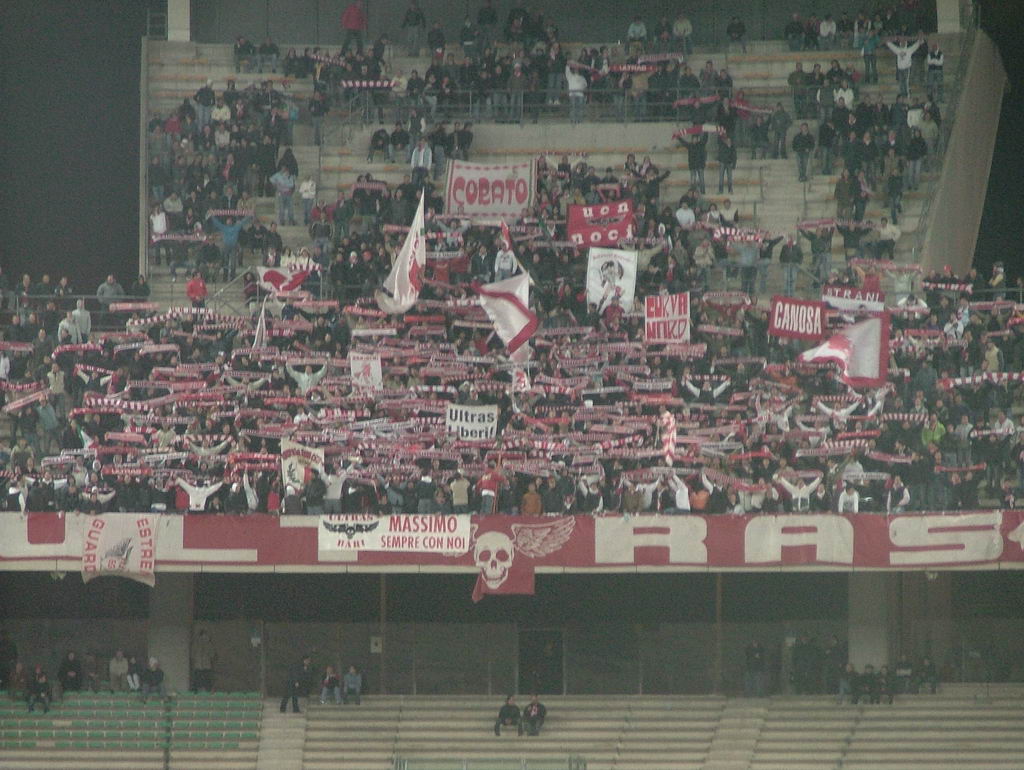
[281, 739]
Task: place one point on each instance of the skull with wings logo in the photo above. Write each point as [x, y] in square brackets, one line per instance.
[494, 551]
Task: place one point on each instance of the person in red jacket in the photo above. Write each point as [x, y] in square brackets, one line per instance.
[488, 487]
[196, 290]
[353, 23]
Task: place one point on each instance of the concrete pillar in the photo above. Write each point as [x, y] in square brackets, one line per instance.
[948, 13]
[170, 627]
[871, 617]
[179, 20]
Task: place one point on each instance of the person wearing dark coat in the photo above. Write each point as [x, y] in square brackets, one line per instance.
[70, 674]
[508, 715]
[298, 684]
[533, 716]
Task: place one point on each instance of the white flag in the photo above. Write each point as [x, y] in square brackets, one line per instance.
[403, 284]
[121, 544]
[861, 350]
[260, 339]
[507, 304]
[366, 371]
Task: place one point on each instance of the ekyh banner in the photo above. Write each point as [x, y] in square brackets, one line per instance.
[667, 317]
[405, 533]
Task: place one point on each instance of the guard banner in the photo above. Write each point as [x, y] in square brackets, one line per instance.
[603, 224]
[667, 318]
[490, 192]
[400, 533]
[796, 318]
[472, 423]
[122, 544]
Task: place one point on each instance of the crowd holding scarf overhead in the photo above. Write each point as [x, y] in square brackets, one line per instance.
[198, 410]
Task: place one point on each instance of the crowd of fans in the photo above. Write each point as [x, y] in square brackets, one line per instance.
[179, 412]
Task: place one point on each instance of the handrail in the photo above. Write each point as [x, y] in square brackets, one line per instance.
[143, 193]
[218, 301]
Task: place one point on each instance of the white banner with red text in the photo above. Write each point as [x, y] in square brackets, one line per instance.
[490, 192]
[120, 544]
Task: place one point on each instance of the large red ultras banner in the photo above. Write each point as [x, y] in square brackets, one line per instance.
[506, 551]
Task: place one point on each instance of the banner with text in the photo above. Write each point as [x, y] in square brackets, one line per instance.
[122, 544]
[796, 318]
[366, 371]
[486, 191]
[603, 224]
[472, 423]
[850, 298]
[407, 533]
[667, 317]
[298, 462]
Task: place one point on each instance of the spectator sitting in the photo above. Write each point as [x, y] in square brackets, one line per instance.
[353, 686]
[737, 32]
[39, 691]
[109, 291]
[534, 714]
[118, 672]
[152, 680]
[508, 715]
[330, 685]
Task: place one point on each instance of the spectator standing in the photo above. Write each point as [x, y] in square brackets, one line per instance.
[202, 662]
[636, 36]
[737, 32]
[269, 52]
[414, 23]
[904, 52]
[803, 146]
[933, 76]
[307, 192]
[827, 32]
[576, 85]
[297, 685]
[83, 318]
[726, 161]
[682, 33]
[109, 291]
[353, 24]
[869, 50]
[754, 672]
[204, 99]
[284, 185]
[117, 671]
[196, 290]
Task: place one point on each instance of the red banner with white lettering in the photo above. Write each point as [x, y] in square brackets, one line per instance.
[667, 318]
[603, 224]
[490, 192]
[501, 548]
[796, 318]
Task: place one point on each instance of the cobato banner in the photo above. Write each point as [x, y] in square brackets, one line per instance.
[611, 275]
[122, 544]
[667, 317]
[485, 191]
[603, 224]
[401, 533]
[796, 318]
[472, 423]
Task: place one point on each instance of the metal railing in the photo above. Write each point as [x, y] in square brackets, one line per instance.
[102, 318]
[361, 108]
[569, 763]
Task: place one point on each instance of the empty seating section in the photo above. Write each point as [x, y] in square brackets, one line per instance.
[86, 730]
[109, 731]
[215, 730]
[962, 727]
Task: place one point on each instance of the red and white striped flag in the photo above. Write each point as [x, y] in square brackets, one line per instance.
[507, 304]
[861, 350]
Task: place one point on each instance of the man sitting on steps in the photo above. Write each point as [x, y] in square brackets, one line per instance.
[508, 715]
[533, 716]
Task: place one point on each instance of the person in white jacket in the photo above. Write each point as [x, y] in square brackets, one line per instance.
[308, 379]
[799, 491]
[904, 52]
[197, 496]
[307, 191]
[577, 87]
[682, 503]
[849, 499]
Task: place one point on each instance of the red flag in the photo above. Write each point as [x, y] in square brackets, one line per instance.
[861, 350]
[506, 560]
